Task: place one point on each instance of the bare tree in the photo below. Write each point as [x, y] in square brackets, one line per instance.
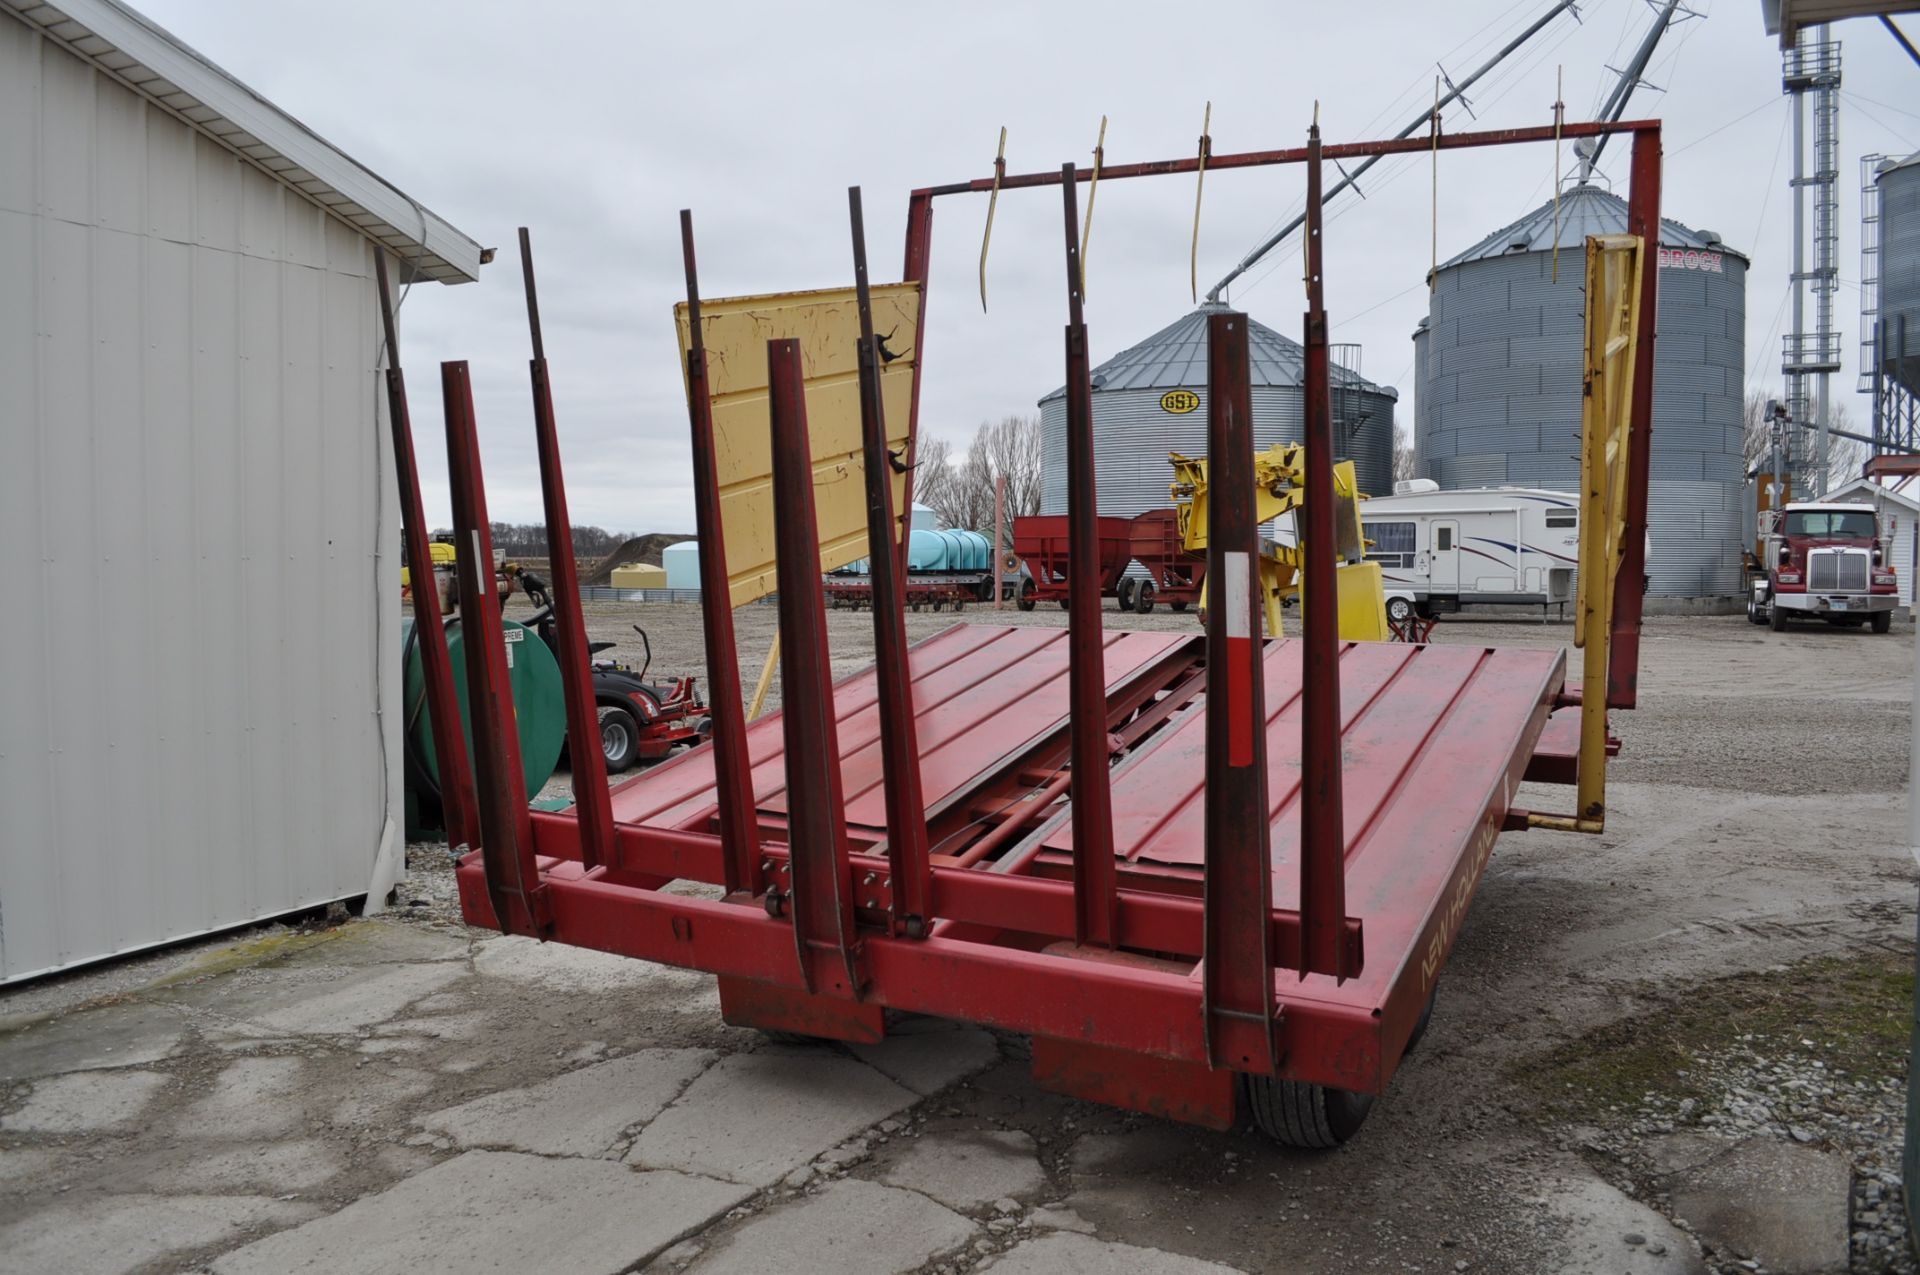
[1845, 456]
[960, 492]
[1404, 461]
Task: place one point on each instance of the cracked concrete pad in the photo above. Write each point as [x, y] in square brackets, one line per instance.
[753, 1117]
[498, 1211]
[85, 1102]
[581, 1112]
[1594, 1217]
[1064, 1253]
[25, 1168]
[850, 1228]
[441, 1027]
[253, 1098]
[1781, 1205]
[929, 1054]
[968, 1168]
[378, 1090]
[275, 1167]
[122, 1232]
[562, 968]
[362, 999]
[116, 1036]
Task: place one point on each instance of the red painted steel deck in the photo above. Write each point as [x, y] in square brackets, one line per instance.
[982, 694]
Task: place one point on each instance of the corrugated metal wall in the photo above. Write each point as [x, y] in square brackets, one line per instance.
[1132, 435]
[1900, 268]
[198, 698]
[1498, 400]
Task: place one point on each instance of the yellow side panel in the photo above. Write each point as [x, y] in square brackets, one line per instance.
[1363, 603]
[827, 324]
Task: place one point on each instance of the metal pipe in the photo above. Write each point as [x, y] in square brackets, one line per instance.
[1418, 123]
[585, 759]
[1629, 588]
[1095, 900]
[912, 895]
[822, 910]
[457, 800]
[1623, 88]
[506, 833]
[1237, 862]
[732, 773]
[1323, 893]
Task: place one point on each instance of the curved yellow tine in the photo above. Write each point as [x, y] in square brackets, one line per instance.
[993, 201]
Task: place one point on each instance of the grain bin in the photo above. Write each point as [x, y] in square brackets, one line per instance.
[1497, 380]
[1152, 399]
[1899, 317]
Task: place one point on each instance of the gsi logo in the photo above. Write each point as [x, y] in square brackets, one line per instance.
[1179, 402]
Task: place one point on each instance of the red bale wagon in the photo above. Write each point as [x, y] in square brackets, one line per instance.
[1209, 875]
[1041, 541]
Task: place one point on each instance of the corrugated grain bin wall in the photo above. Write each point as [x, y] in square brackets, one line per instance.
[1900, 269]
[1152, 399]
[1497, 380]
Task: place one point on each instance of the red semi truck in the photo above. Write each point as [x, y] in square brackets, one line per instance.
[1824, 561]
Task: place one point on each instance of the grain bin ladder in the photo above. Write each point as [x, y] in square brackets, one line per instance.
[1077, 864]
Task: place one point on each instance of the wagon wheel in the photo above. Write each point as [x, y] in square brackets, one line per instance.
[1296, 1114]
[1124, 593]
[1143, 597]
[1063, 604]
[1026, 595]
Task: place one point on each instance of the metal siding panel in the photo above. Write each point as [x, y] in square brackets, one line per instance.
[1681, 288]
[1541, 469]
[1500, 438]
[1504, 382]
[216, 196]
[29, 850]
[304, 702]
[305, 235]
[1676, 466]
[263, 560]
[262, 214]
[1555, 409]
[1485, 411]
[66, 134]
[1545, 351]
[19, 117]
[119, 157]
[1472, 471]
[1492, 326]
[169, 169]
[1470, 358]
[1476, 298]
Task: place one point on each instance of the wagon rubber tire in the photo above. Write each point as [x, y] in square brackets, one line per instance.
[1026, 595]
[1123, 592]
[1178, 604]
[1063, 603]
[1399, 610]
[1882, 621]
[1296, 1114]
[1776, 617]
[619, 738]
[1143, 598]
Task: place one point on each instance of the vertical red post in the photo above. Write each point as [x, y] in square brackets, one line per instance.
[1096, 904]
[999, 537]
[733, 778]
[912, 889]
[1238, 969]
[1323, 885]
[915, 270]
[591, 801]
[506, 832]
[1643, 219]
[457, 808]
[816, 807]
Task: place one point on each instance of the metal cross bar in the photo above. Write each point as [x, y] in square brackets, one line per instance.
[1093, 874]
[738, 819]
[1323, 840]
[506, 834]
[906, 807]
[1643, 219]
[457, 800]
[1238, 860]
[822, 905]
[584, 756]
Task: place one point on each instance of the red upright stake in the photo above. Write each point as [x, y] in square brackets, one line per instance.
[816, 806]
[591, 801]
[732, 773]
[1095, 902]
[1238, 968]
[900, 746]
[506, 833]
[1643, 219]
[1323, 885]
[436, 667]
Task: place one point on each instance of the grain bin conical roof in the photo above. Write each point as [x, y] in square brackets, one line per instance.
[1584, 210]
[1175, 357]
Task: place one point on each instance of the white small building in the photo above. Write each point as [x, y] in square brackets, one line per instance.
[200, 704]
[1896, 502]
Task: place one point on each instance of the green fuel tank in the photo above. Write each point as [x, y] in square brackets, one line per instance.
[538, 704]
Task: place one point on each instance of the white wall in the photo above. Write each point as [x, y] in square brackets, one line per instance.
[198, 669]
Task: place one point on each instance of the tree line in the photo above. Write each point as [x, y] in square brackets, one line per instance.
[959, 487]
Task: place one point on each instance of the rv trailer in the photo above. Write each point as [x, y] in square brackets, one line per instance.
[1441, 550]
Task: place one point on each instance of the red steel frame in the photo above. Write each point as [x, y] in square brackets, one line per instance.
[840, 931]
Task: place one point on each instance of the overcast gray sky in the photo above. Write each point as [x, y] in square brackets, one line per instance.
[595, 124]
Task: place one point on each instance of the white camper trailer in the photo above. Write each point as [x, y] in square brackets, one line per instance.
[1442, 550]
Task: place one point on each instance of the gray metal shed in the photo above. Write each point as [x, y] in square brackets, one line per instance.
[200, 717]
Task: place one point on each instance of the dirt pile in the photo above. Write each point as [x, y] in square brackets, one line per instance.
[639, 550]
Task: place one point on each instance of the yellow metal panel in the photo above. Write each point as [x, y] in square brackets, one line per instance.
[640, 576]
[1363, 603]
[827, 324]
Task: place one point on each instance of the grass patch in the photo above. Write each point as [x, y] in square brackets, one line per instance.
[1856, 1010]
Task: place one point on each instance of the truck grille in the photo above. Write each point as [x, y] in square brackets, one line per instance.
[1837, 571]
